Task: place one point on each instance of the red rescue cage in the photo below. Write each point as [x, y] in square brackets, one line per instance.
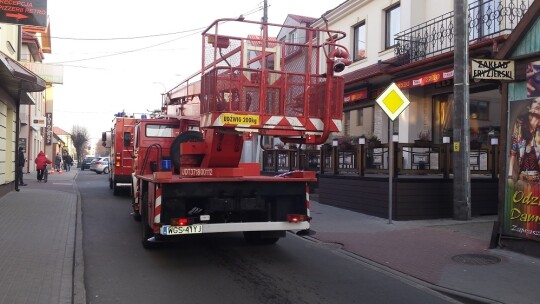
[277, 87]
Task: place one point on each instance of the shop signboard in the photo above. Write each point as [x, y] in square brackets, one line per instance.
[48, 128]
[492, 69]
[22, 144]
[29, 12]
[39, 122]
[425, 79]
[358, 95]
[522, 201]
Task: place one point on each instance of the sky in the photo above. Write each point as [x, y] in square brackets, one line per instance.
[121, 55]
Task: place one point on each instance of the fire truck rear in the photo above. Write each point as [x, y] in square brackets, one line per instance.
[188, 177]
[120, 142]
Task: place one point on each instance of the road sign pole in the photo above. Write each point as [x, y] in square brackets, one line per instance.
[393, 102]
[390, 168]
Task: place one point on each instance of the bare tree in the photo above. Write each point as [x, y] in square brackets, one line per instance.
[80, 138]
[100, 149]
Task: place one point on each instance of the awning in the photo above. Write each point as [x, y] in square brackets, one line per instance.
[15, 78]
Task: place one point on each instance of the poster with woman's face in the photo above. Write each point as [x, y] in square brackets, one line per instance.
[522, 201]
[533, 79]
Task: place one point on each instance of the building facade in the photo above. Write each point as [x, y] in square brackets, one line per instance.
[17, 83]
[410, 43]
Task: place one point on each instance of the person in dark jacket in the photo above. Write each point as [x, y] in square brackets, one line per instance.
[68, 162]
[58, 162]
[20, 165]
[41, 164]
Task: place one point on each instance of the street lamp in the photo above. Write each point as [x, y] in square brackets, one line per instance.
[494, 142]
[162, 94]
[335, 155]
[362, 140]
[360, 157]
[446, 141]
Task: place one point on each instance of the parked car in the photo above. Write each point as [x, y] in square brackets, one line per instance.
[100, 165]
[86, 162]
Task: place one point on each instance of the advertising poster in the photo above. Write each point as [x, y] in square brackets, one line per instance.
[533, 79]
[522, 202]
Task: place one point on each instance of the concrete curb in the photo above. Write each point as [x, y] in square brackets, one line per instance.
[79, 290]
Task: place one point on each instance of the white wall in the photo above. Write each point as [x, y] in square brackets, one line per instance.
[412, 12]
[9, 33]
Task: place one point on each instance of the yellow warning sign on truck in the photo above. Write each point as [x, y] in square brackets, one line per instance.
[239, 119]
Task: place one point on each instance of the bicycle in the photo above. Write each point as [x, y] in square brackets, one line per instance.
[45, 173]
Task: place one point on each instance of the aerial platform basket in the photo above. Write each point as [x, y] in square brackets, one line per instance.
[282, 87]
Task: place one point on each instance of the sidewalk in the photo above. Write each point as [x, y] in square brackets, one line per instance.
[446, 255]
[37, 236]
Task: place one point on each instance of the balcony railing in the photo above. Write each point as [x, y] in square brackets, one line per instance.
[486, 19]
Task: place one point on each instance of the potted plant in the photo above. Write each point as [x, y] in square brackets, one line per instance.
[373, 141]
[424, 139]
[344, 142]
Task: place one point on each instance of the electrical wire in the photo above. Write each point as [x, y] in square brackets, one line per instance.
[123, 52]
[129, 38]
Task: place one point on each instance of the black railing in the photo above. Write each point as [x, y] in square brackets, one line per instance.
[486, 19]
[409, 159]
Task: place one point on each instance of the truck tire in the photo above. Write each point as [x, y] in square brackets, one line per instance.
[136, 215]
[256, 238]
[116, 190]
[187, 136]
[146, 229]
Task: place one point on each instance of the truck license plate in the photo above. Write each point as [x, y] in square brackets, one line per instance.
[175, 230]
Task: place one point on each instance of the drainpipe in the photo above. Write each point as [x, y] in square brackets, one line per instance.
[18, 109]
[29, 141]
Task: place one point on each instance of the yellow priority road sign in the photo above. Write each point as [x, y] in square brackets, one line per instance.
[392, 101]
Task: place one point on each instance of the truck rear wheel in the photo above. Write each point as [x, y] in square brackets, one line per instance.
[116, 190]
[259, 238]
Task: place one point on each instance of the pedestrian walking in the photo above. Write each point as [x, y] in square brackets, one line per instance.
[69, 162]
[21, 160]
[58, 162]
[41, 165]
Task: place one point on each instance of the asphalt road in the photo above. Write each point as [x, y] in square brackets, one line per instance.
[220, 268]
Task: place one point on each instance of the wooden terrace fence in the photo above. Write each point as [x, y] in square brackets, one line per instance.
[361, 160]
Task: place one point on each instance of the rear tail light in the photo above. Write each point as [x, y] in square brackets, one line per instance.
[181, 221]
[297, 218]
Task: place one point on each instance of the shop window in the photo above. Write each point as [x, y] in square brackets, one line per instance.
[479, 109]
[360, 117]
[346, 123]
[360, 41]
[392, 17]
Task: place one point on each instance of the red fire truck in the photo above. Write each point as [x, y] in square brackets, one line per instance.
[188, 177]
[120, 142]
